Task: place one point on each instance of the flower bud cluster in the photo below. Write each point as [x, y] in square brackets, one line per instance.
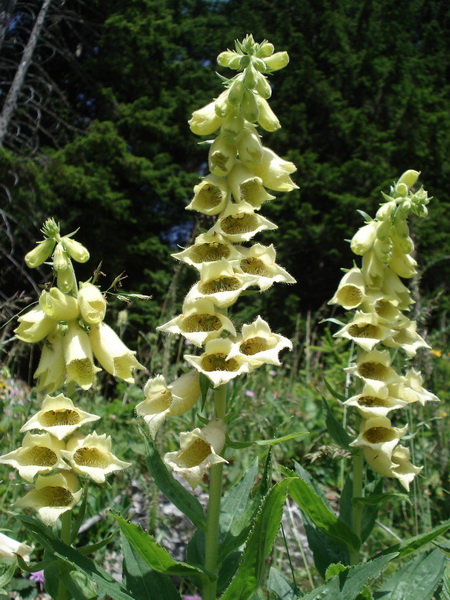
[69, 321]
[54, 458]
[379, 300]
[241, 171]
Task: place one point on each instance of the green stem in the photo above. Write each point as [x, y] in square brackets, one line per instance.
[66, 524]
[215, 496]
[358, 464]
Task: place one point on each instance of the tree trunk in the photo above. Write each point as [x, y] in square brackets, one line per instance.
[14, 91]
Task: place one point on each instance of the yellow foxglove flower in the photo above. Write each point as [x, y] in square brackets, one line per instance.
[351, 290]
[91, 455]
[373, 403]
[364, 330]
[52, 496]
[210, 196]
[51, 370]
[58, 416]
[199, 450]
[38, 255]
[259, 345]
[275, 172]
[75, 250]
[385, 307]
[34, 325]
[222, 156]
[61, 260]
[378, 434]
[92, 303]
[246, 187]
[112, 353]
[409, 178]
[240, 222]
[40, 453]
[402, 264]
[78, 356]
[250, 147]
[372, 269]
[410, 389]
[259, 260]
[364, 238]
[162, 400]
[59, 306]
[407, 338]
[9, 548]
[397, 466]
[217, 363]
[220, 283]
[205, 121]
[199, 322]
[375, 369]
[393, 286]
[276, 61]
[208, 247]
[66, 281]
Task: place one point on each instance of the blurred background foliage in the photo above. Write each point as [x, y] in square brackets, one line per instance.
[99, 139]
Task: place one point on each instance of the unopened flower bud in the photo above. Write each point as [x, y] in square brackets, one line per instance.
[386, 210]
[267, 118]
[250, 147]
[364, 238]
[250, 77]
[266, 49]
[277, 61]
[408, 178]
[236, 90]
[259, 65]
[233, 125]
[38, 255]
[401, 189]
[263, 87]
[228, 58]
[75, 250]
[59, 306]
[66, 281]
[205, 121]
[92, 303]
[61, 260]
[249, 106]
[222, 106]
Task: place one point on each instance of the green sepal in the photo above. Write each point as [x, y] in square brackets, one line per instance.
[172, 489]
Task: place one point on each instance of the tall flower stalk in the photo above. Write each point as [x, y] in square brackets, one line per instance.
[242, 173]
[380, 327]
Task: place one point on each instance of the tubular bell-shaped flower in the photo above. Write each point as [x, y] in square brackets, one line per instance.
[92, 303]
[199, 450]
[275, 172]
[364, 329]
[199, 322]
[59, 306]
[51, 370]
[162, 400]
[40, 453]
[58, 416]
[259, 260]
[351, 290]
[91, 455]
[220, 362]
[207, 248]
[259, 345]
[52, 496]
[210, 195]
[112, 353]
[220, 283]
[247, 187]
[78, 356]
[239, 223]
[10, 548]
[34, 325]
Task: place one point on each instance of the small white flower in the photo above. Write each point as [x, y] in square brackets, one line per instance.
[9, 548]
[91, 455]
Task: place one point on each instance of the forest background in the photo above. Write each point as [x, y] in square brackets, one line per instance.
[99, 138]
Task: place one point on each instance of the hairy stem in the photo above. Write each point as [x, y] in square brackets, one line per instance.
[215, 496]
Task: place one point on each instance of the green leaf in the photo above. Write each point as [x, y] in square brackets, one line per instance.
[82, 563]
[272, 442]
[91, 548]
[258, 546]
[156, 556]
[347, 584]
[280, 586]
[237, 506]
[174, 491]
[325, 550]
[377, 499]
[412, 544]
[323, 517]
[7, 575]
[417, 580]
[78, 585]
[140, 579]
[228, 570]
[335, 429]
